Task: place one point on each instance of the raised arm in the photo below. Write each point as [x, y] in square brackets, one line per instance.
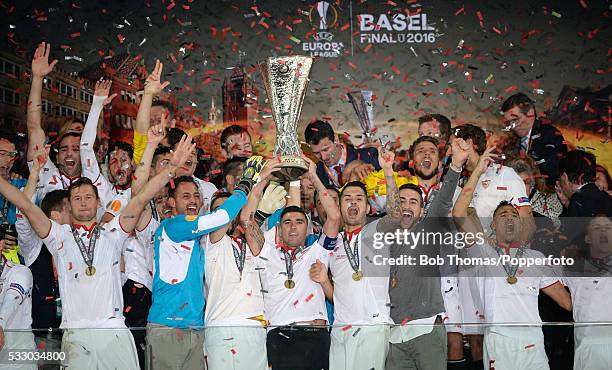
[39, 221]
[465, 218]
[40, 68]
[155, 135]
[253, 234]
[443, 200]
[40, 155]
[131, 213]
[334, 218]
[394, 205]
[100, 99]
[153, 86]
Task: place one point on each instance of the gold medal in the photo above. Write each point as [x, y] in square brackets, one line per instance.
[394, 281]
[511, 279]
[90, 271]
[289, 284]
[357, 275]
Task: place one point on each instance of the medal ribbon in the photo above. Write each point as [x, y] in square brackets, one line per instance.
[353, 256]
[154, 210]
[513, 268]
[239, 256]
[289, 260]
[88, 254]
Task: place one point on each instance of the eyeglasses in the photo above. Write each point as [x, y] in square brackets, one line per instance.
[6, 153]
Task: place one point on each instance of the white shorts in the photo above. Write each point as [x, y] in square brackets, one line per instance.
[593, 356]
[359, 347]
[100, 349]
[235, 348]
[472, 316]
[452, 305]
[17, 340]
[523, 352]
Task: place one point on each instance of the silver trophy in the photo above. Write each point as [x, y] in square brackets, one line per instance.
[285, 80]
[362, 103]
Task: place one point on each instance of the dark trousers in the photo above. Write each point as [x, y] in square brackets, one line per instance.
[298, 348]
[44, 293]
[136, 303]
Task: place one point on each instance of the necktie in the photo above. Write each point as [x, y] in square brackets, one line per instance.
[338, 170]
[524, 144]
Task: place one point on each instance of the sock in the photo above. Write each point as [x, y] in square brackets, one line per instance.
[478, 365]
[457, 364]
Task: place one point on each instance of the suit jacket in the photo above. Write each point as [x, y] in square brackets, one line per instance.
[546, 146]
[367, 155]
[589, 201]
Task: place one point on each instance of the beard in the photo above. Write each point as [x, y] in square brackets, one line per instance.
[424, 176]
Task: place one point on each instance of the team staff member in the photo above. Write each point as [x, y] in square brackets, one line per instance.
[334, 156]
[294, 305]
[89, 277]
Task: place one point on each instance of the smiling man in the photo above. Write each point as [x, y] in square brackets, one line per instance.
[334, 156]
[541, 141]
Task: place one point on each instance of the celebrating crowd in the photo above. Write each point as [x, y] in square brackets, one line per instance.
[130, 261]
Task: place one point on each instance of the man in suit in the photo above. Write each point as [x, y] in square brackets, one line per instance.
[581, 198]
[334, 156]
[540, 140]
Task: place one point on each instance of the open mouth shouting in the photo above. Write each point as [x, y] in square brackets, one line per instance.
[352, 211]
[426, 163]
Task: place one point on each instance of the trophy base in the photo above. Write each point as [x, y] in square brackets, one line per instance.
[292, 169]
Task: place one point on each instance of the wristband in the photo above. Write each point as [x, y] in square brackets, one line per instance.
[295, 184]
[456, 169]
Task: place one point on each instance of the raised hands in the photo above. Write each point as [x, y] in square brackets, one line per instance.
[485, 160]
[385, 158]
[41, 153]
[103, 89]
[460, 152]
[182, 151]
[40, 62]
[157, 133]
[153, 84]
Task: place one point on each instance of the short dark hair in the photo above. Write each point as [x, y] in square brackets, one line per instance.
[317, 131]
[422, 139]
[414, 187]
[330, 188]
[291, 209]
[174, 135]
[179, 180]
[121, 146]
[445, 123]
[53, 201]
[161, 150]
[68, 134]
[354, 184]
[518, 100]
[8, 136]
[218, 195]
[165, 104]
[501, 204]
[580, 166]
[232, 165]
[478, 136]
[82, 181]
[229, 131]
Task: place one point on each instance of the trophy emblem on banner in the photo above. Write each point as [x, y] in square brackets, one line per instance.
[285, 80]
[362, 103]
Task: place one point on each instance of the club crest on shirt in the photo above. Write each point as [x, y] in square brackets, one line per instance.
[485, 183]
